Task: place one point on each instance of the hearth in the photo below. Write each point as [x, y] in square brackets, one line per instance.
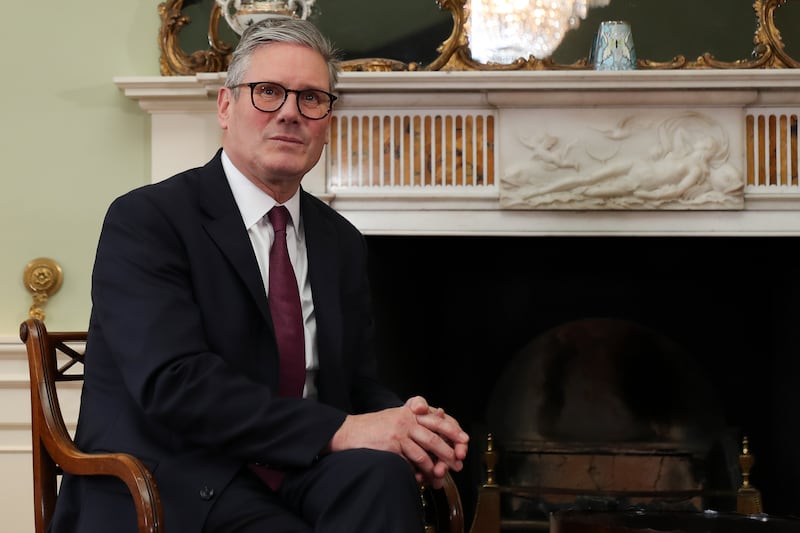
[454, 312]
[604, 414]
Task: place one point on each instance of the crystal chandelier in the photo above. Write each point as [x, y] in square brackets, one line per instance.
[502, 31]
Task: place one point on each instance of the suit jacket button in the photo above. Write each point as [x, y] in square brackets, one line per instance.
[206, 493]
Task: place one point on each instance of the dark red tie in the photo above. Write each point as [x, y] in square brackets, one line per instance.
[284, 305]
[287, 317]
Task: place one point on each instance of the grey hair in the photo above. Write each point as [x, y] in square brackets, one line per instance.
[281, 30]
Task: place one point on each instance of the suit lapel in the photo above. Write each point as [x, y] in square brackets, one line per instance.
[225, 227]
[323, 265]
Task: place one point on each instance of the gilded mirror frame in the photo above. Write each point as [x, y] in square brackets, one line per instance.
[454, 54]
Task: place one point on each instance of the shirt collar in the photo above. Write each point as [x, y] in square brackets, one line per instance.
[254, 203]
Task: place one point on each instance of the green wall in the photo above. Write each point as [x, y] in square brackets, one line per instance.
[70, 141]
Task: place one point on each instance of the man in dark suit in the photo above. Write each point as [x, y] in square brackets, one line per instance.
[182, 363]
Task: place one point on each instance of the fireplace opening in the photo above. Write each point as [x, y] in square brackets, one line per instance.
[453, 312]
[605, 414]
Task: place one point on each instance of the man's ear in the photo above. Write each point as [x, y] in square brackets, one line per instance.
[224, 102]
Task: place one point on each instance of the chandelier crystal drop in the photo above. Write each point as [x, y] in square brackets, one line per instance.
[502, 31]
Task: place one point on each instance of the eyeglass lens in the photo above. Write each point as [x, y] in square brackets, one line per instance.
[311, 103]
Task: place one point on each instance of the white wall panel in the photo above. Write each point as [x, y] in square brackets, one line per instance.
[16, 490]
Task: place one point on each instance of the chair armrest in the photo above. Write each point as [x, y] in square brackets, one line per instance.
[122, 466]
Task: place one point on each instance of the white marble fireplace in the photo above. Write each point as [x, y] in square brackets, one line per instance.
[537, 168]
[511, 153]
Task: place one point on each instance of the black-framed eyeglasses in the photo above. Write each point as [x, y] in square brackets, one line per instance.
[268, 97]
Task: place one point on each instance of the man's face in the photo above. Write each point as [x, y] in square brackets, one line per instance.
[275, 150]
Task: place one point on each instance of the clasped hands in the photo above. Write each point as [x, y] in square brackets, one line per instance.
[427, 437]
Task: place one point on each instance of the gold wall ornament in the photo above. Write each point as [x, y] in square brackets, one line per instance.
[454, 53]
[42, 277]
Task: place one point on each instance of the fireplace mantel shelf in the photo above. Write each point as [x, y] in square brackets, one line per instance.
[511, 107]
[527, 80]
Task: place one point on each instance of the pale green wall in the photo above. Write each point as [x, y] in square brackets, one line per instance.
[70, 140]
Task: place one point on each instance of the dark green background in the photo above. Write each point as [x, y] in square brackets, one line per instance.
[411, 30]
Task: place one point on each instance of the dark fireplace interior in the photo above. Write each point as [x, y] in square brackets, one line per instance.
[453, 311]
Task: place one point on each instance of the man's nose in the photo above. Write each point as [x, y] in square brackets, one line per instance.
[291, 106]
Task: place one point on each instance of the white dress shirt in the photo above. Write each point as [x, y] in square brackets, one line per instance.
[254, 204]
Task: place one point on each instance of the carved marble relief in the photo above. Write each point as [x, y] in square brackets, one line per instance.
[639, 161]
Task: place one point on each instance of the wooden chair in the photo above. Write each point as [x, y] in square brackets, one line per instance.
[57, 357]
[54, 451]
[444, 512]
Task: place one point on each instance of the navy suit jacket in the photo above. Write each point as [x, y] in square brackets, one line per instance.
[182, 364]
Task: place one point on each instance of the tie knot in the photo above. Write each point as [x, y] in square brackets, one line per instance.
[278, 217]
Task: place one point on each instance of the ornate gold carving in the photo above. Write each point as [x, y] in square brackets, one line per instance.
[768, 41]
[454, 53]
[174, 61]
[42, 278]
[377, 64]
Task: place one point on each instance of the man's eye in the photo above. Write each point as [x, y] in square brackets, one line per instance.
[268, 91]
